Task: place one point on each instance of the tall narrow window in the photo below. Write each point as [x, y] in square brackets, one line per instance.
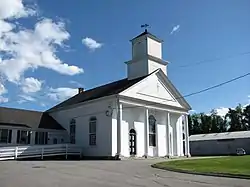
[23, 137]
[72, 131]
[41, 138]
[5, 135]
[152, 131]
[92, 130]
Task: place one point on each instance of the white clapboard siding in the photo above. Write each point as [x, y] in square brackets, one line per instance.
[33, 151]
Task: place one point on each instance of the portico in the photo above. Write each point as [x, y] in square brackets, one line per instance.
[150, 130]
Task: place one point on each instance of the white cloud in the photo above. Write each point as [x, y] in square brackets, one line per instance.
[22, 49]
[10, 9]
[2, 89]
[79, 85]
[222, 111]
[192, 111]
[27, 98]
[91, 43]
[60, 94]
[43, 104]
[175, 29]
[3, 99]
[31, 85]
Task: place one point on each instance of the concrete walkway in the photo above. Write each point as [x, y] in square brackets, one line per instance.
[136, 173]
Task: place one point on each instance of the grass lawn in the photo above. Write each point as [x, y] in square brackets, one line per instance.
[227, 165]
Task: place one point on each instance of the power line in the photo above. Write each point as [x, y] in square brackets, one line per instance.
[187, 95]
[203, 90]
[218, 85]
[212, 60]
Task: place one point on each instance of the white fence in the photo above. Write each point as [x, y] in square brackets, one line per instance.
[33, 151]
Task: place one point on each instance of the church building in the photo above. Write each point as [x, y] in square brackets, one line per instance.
[142, 115]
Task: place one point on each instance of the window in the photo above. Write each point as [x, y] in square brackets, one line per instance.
[41, 138]
[72, 131]
[5, 135]
[92, 131]
[54, 141]
[152, 131]
[23, 137]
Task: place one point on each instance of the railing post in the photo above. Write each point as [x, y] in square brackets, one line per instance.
[66, 151]
[42, 152]
[80, 152]
[16, 152]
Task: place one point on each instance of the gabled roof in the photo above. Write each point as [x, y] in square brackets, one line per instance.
[98, 92]
[149, 35]
[175, 92]
[28, 119]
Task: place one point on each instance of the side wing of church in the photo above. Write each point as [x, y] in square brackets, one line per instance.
[142, 115]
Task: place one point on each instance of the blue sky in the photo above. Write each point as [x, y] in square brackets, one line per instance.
[193, 31]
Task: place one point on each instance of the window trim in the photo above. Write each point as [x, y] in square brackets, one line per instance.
[19, 137]
[152, 134]
[92, 120]
[45, 138]
[9, 136]
[72, 134]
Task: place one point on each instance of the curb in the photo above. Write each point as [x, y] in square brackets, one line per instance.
[227, 175]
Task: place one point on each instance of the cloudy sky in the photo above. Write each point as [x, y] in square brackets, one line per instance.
[48, 51]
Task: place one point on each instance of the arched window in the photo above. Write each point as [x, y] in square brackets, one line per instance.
[92, 130]
[152, 131]
[72, 131]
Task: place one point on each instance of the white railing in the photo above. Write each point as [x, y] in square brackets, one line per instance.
[33, 151]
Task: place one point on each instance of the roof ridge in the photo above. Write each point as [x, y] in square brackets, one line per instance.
[21, 109]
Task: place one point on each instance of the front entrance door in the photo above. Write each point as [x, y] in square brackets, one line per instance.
[132, 142]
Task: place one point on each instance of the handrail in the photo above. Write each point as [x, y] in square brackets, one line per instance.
[33, 151]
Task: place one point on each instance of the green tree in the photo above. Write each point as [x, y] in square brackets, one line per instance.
[205, 123]
[235, 118]
[246, 117]
[196, 124]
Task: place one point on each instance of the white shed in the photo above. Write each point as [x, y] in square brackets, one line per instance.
[219, 143]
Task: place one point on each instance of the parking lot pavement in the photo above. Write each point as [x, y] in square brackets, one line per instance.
[136, 173]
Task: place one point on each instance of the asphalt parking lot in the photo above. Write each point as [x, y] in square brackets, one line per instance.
[136, 173]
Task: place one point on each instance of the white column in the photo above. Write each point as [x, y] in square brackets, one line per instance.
[32, 137]
[167, 134]
[13, 136]
[146, 143]
[187, 149]
[119, 122]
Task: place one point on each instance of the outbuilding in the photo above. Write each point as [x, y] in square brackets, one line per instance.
[219, 143]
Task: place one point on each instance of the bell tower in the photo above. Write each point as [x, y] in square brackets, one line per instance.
[146, 55]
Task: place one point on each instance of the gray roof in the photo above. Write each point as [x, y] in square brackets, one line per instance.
[219, 136]
[98, 92]
[27, 118]
[148, 34]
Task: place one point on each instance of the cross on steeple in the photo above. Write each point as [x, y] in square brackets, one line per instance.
[145, 26]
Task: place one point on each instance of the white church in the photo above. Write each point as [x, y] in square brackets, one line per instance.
[142, 115]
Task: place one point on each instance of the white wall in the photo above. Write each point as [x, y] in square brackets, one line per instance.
[137, 68]
[154, 48]
[157, 92]
[59, 135]
[161, 129]
[152, 66]
[176, 124]
[82, 115]
[131, 119]
[139, 47]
